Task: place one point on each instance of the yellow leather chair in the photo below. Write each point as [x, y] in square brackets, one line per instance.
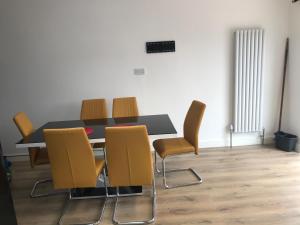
[186, 144]
[125, 107]
[37, 156]
[94, 109]
[72, 161]
[129, 162]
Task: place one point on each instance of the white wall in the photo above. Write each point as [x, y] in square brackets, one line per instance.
[292, 102]
[54, 53]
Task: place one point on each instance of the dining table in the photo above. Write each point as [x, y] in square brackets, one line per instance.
[158, 126]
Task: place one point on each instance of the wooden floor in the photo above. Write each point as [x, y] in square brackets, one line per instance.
[248, 186]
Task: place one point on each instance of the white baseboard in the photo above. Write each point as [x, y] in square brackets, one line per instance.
[297, 148]
[16, 158]
[25, 157]
[238, 140]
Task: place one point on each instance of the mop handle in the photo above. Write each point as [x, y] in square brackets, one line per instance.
[283, 82]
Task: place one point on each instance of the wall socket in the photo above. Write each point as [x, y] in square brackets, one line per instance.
[139, 71]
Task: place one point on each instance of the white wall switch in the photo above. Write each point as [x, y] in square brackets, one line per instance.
[139, 71]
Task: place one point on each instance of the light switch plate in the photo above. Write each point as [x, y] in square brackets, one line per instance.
[139, 71]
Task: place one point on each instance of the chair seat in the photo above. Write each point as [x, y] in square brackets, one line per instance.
[99, 164]
[42, 157]
[172, 146]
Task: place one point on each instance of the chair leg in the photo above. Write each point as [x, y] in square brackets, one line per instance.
[65, 207]
[116, 222]
[199, 179]
[37, 183]
[155, 162]
[69, 198]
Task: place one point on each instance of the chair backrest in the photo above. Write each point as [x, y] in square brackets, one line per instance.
[125, 107]
[129, 158]
[25, 127]
[192, 123]
[93, 109]
[71, 158]
[24, 124]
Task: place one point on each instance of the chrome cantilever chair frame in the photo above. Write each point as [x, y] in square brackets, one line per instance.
[69, 198]
[118, 195]
[164, 171]
[36, 184]
[117, 222]
[43, 181]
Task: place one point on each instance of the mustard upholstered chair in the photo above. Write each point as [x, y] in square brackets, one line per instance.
[37, 156]
[72, 161]
[94, 109]
[125, 107]
[129, 162]
[186, 144]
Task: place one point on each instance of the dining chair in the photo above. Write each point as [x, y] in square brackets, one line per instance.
[125, 107]
[129, 163]
[37, 156]
[94, 109]
[72, 162]
[181, 145]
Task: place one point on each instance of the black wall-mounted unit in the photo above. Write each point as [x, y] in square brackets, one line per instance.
[160, 46]
[7, 210]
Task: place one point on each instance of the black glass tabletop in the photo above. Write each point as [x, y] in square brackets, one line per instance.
[156, 125]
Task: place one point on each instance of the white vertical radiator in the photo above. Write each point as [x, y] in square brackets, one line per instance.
[249, 45]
